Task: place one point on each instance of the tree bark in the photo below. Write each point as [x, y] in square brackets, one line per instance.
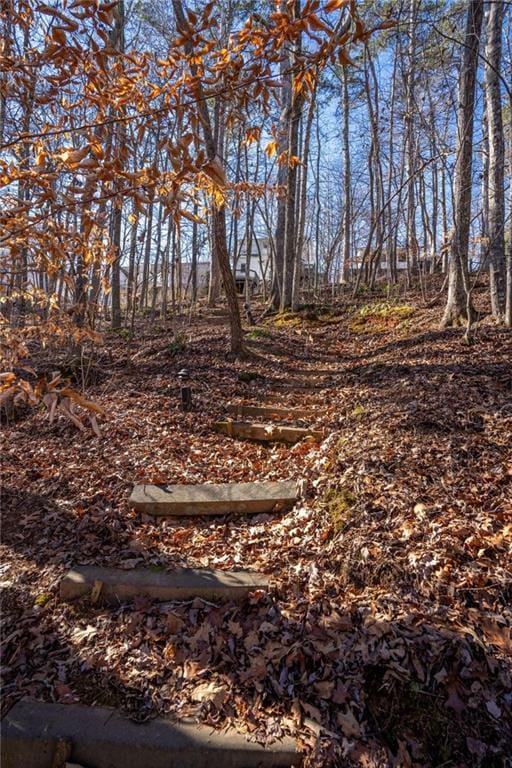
[496, 162]
[218, 214]
[412, 241]
[347, 181]
[290, 229]
[117, 42]
[458, 305]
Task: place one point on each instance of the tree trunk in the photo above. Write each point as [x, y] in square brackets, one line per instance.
[117, 215]
[117, 42]
[458, 306]
[411, 242]
[218, 215]
[290, 228]
[496, 163]
[347, 183]
[508, 286]
[303, 198]
[282, 177]
[147, 256]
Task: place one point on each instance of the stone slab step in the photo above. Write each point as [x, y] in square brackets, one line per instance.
[184, 584]
[293, 385]
[210, 499]
[269, 433]
[330, 373]
[240, 411]
[98, 737]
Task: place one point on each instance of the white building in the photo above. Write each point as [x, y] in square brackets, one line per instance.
[258, 262]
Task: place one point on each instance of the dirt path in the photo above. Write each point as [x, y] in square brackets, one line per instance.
[387, 629]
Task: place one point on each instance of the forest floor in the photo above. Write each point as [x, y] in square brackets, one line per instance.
[386, 638]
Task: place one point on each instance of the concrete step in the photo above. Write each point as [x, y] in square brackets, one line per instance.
[113, 585]
[33, 733]
[210, 499]
[268, 433]
[240, 411]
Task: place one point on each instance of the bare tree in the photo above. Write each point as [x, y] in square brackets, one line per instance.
[496, 159]
[218, 214]
[458, 306]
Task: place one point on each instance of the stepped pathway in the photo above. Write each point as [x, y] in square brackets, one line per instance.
[267, 433]
[213, 499]
[277, 413]
[38, 734]
[42, 735]
[243, 428]
[115, 585]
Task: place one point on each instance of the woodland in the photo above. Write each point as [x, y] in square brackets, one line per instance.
[256, 383]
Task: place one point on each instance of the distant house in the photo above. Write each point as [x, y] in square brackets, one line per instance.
[255, 266]
[258, 261]
[203, 274]
[425, 259]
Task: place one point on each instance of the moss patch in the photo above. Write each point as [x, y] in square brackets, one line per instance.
[259, 333]
[287, 320]
[308, 314]
[42, 599]
[340, 505]
[358, 412]
[380, 317]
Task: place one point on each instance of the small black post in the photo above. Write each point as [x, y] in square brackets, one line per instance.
[185, 390]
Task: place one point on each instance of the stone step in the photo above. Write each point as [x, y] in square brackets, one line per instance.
[326, 372]
[114, 585]
[240, 411]
[36, 734]
[301, 398]
[269, 433]
[210, 499]
[293, 385]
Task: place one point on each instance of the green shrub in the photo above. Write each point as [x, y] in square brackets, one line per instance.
[259, 333]
[177, 345]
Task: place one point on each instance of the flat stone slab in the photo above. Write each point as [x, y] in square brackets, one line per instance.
[98, 737]
[113, 585]
[210, 499]
[300, 386]
[268, 411]
[330, 372]
[269, 433]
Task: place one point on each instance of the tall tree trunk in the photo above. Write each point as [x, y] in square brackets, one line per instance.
[157, 265]
[303, 198]
[444, 220]
[193, 266]
[290, 228]
[458, 305]
[117, 42]
[165, 268]
[347, 182]
[130, 280]
[508, 281]
[496, 164]
[218, 214]
[282, 176]
[147, 255]
[412, 242]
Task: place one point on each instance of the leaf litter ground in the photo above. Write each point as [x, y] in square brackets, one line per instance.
[386, 637]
